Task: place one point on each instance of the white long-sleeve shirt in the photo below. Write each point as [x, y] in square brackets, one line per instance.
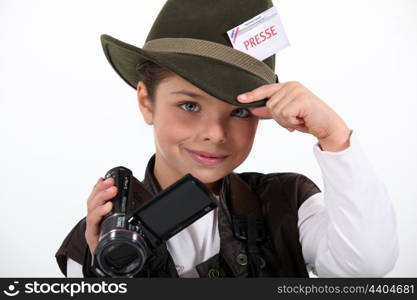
[348, 230]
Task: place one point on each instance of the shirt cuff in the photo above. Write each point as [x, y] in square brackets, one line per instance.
[317, 146]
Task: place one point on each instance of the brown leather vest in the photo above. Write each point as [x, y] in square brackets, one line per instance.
[275, 196]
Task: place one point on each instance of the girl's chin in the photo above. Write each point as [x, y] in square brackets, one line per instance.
[209, 177]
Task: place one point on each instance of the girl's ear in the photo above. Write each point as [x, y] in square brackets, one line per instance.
[145, 103]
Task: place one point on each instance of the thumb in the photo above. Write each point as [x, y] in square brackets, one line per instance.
[261, 112]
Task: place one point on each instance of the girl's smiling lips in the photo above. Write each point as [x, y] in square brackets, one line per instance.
[205, 158]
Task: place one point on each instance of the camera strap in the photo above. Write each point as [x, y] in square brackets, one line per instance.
[248, 224]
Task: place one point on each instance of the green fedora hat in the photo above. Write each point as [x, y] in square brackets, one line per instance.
[189, 38]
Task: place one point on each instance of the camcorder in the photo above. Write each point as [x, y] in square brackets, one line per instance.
[130, 232]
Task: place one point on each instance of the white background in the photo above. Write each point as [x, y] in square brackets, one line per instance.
[66, 117]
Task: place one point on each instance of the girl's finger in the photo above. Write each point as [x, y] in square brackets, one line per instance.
[267, 111]
[283, 123]
[292, 115]
[101, 198]
[93, 221]
[95, 216]
[100, 186]
[280, 99]
[290, 95]
[262, 92]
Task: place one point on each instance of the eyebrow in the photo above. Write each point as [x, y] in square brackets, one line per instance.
[188, 93]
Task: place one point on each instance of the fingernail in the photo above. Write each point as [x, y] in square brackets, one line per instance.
[242, 97]
[107, 180]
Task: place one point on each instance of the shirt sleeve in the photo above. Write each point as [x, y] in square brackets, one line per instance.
[74, 269]
[349, 229]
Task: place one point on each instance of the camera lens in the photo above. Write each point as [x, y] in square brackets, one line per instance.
[121, 253]
[121, 258]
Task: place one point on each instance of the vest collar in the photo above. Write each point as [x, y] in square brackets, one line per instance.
[149, 180]
[243, 200]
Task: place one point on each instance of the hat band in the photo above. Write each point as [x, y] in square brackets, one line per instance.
[215, 51]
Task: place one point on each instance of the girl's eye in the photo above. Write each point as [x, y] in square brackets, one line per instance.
[190, 106]
[242, 113]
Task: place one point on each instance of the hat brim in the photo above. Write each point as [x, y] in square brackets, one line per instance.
[219, 79]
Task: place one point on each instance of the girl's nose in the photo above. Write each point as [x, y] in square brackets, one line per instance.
[213, 130]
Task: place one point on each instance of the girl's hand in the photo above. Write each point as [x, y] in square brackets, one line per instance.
[294, 107]
[97, 207]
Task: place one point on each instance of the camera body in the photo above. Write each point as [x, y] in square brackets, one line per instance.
[131, 231]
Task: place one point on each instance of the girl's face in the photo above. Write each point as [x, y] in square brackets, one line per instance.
[195, 132]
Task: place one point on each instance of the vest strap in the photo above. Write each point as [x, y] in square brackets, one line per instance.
[248, 224]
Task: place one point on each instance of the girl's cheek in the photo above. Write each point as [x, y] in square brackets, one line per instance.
[244, 128]
[172, 128]
[245, 134]
[185, 123]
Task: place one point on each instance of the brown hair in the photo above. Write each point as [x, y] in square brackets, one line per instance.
[153, 74]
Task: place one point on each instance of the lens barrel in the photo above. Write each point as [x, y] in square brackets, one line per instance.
[121, 253]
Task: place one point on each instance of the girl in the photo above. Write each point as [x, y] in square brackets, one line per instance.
[206, 126]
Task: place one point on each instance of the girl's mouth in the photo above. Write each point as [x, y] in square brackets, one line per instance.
[207, 159]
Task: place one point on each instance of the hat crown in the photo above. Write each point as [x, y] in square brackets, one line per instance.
[206, 19]
[189, 38]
